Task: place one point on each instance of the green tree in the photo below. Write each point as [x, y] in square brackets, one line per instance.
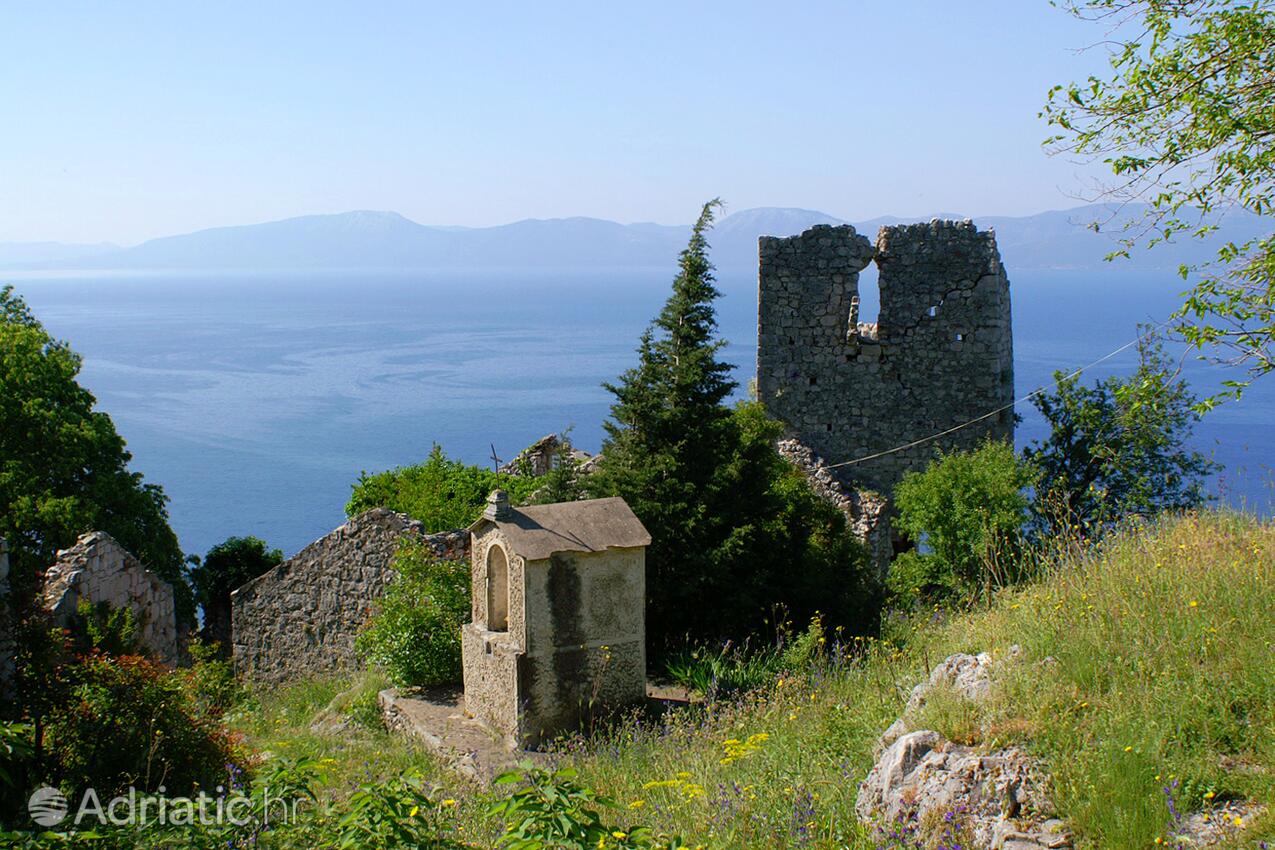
[1116, 449]
[969, 510]
[228, 565]
[735, 531]
[442, 493]
[1185, 121]
[63, 468]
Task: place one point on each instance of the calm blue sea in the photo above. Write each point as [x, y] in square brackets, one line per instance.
[256, 399]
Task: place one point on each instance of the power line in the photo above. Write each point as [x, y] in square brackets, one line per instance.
[998, 410]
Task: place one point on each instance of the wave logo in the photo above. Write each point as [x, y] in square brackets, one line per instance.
[48, 806]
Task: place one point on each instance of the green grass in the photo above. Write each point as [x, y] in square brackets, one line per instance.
[1147, 661]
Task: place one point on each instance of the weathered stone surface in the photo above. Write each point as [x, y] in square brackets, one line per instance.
[537, 459]
[921, 778]
[438, 719]
[8, 643]
[558, 630]
[969, 676]
[866, 512]
[1000, 797]
[939, 356]
[98, 569]
[1221, 824]
[301, 618]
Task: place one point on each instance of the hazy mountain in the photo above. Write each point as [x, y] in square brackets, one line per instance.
[387, 240]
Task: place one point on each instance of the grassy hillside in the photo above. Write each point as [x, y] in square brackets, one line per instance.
[1161, 670]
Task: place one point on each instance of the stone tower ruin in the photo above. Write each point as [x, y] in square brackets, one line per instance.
[939, 356]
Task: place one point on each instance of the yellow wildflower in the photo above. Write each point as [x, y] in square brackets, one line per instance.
[448, 803]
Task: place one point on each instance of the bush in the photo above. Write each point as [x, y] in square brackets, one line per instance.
[414, 635]
[130, 722]
[444, 494]
[211, 681]
[103, 627]
[969, 510]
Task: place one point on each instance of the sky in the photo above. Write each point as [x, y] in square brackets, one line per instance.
[127, 121]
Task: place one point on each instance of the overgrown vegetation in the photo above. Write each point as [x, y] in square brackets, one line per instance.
[414, 634]
[227, 566]
[1145, 662]
[443, 494]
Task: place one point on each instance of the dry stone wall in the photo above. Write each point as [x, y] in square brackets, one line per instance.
[98, 569]
[940, 354]
[301, 618]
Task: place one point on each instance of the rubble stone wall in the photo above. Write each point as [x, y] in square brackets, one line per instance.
[301, 618]
[98, 569]
[940, 354]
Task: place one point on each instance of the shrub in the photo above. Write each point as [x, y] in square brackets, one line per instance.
[554, 812]
[101, 626]
[210, 679]
[130, 722]
[414, 635]
[968, 509]
[444, 494]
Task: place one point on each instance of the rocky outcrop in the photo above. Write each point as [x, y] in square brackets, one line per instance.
[1000, 798]
[968, 676]
[98, 569]
[301, 618]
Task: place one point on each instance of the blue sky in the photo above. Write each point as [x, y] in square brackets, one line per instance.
[125, 121]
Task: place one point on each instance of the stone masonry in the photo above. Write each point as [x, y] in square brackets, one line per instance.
[301, 618]
[98, 569]
[940, 355]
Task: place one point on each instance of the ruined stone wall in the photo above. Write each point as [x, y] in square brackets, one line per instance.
[866, 512]
[301, 618]
[98, 569]
[941, 353]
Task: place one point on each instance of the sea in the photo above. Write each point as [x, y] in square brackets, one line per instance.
[257, 399]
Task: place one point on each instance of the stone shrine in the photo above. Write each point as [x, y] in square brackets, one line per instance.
[559, 601]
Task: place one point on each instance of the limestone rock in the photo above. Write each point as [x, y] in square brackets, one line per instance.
[1001, 797]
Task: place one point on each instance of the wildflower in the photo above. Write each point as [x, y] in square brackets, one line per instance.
[1209, 796]
[1128, 749]
[1195, 604]
[637, 804]
[448, 803]
[414, 811]
[618, 834]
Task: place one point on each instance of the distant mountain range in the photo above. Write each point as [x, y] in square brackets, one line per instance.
[387, 240]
